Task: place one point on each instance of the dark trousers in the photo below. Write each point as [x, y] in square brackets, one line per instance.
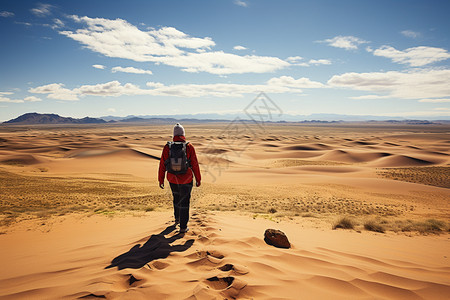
[181, 200]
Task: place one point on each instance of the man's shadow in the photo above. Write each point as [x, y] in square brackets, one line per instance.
[157, 246]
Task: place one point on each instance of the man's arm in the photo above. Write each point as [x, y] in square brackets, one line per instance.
[194, 165]
[162, 166]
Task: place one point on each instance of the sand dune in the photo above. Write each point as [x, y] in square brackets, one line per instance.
[353, 156]
[404, 161]
[363, 143]
[21, 159]
[82, 216]
[137, 258]
[310, 147]
[112, 154]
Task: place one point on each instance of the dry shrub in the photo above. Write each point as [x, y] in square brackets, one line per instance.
[436, 175]
[430, 226]
[309, 215]
[7, 220]
[272, 210]
[344, 223]
[373, 225]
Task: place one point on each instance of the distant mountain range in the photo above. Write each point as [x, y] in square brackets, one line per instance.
[36, 118]
[212, 117]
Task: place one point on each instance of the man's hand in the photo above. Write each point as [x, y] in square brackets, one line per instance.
[197, 183]
[161, 185]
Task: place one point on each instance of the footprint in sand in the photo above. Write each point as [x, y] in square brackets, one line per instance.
[228, 286]
[219, 283]
[205, 259]
[202, 239]
[92, 296]
[237, 270]
[132, 280]
[159, 265]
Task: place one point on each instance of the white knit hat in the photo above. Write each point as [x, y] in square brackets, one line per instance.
[178, 130]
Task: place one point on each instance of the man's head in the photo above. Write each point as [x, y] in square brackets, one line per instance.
[178, 130]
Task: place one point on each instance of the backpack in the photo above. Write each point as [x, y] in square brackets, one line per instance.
[178, 162]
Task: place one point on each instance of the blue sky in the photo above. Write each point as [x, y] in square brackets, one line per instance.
[97, 58]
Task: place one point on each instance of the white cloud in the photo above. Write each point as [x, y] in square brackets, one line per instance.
[435, 100]
[241, 3]
[289, 81]
[32, 99]
[319, 62]
[131, 70]
[370, 97]
[55, 91]
[6, 14]
[413, 84]
[221, 63]
[206, 90]
[118, 38]
[9, 100]
[154, 84]
[411, 34]
[101, 67]
[24, 23]
[283, 84]
[112, 110]
[112, 88]
[415, 57]
[239, 47]
[345, 42]
[42, 10]
[57, 24]
[294, 59]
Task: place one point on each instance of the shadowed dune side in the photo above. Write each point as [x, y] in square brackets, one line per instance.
[283, 154]
[21, 159]
[353, 156]
[308, 147]
[363, 143]
[270, 145]
[404, 161]
[330, 169]
[111, 153]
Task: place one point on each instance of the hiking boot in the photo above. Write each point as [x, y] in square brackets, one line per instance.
[184, 230]
[177, 222]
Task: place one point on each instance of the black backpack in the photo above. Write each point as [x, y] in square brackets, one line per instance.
[178, 162]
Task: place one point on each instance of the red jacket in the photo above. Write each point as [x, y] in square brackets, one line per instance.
[180, 178]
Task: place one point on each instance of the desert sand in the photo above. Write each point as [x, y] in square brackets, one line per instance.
[82, 215]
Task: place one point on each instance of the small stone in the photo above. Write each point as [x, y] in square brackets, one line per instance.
[276, 238]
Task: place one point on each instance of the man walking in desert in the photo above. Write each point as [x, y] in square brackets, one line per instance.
[180, 161]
